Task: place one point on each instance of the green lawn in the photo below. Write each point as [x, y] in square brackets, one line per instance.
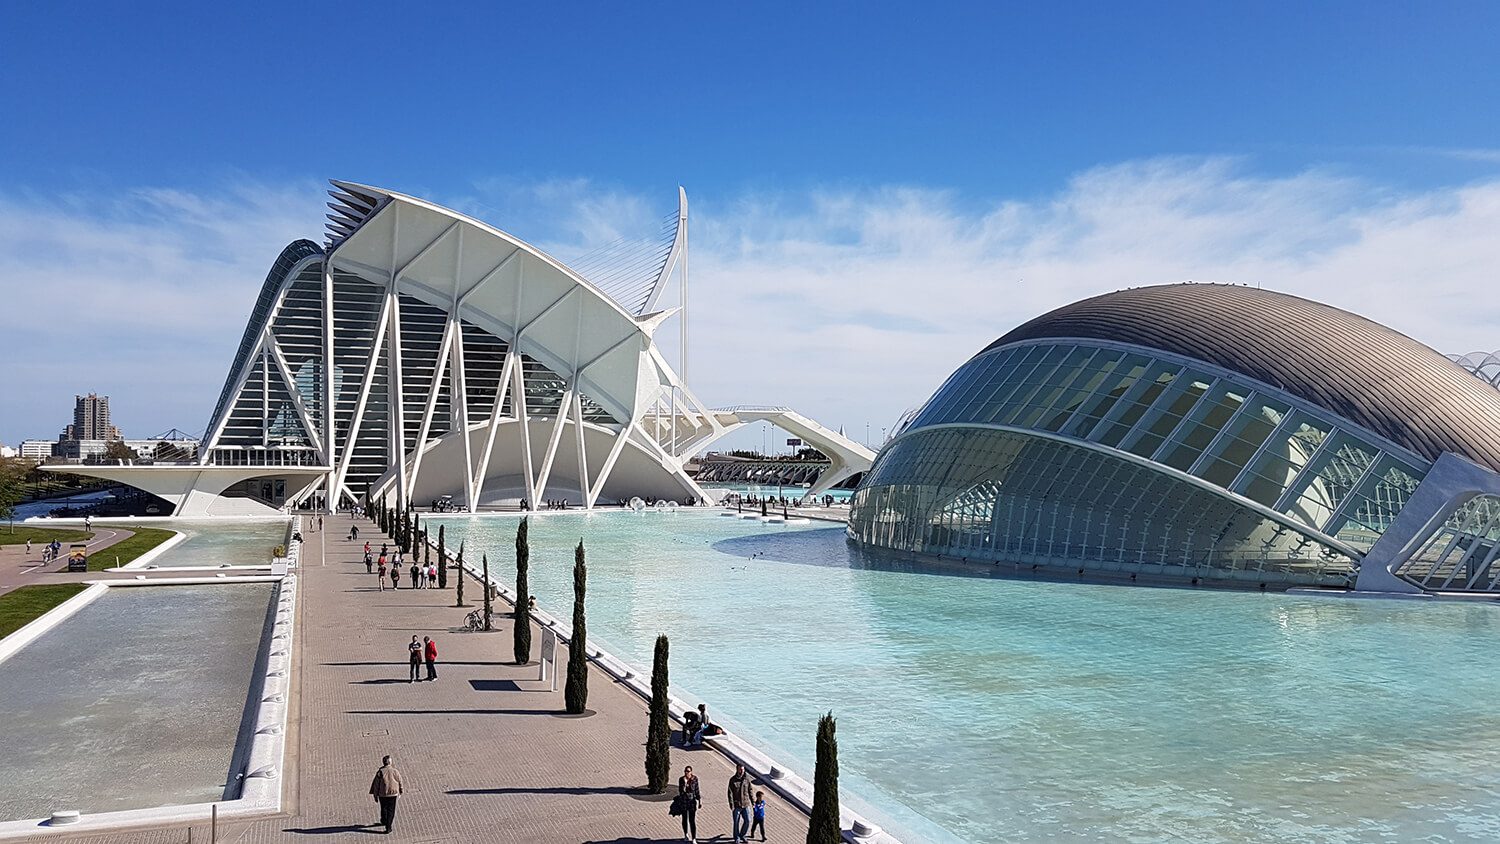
[40, 536]
[22, 606]
[128, 549]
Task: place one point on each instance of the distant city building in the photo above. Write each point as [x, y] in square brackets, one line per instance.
[90, 420]
[7, 451]
[80, 449]
[37, 449]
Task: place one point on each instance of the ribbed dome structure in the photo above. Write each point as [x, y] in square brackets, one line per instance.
[1349, 365]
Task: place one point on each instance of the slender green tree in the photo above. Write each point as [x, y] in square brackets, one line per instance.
[417, 536]
[522, 614]
[487, 591]
[576, 694]
[426, 549]
[459, 562]
[442, 560]
[658, 727]
[823, 826]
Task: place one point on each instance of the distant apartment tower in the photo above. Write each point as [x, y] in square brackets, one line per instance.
[90, 420]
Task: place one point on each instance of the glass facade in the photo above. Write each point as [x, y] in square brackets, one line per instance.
[995, 467]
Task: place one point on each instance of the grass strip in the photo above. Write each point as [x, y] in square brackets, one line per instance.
[41, 536]
[20, 607]
[129, 548]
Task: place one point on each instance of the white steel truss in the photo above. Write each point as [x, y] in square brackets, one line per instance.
[427, 354]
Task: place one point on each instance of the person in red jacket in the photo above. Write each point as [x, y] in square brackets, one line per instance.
[430, 652]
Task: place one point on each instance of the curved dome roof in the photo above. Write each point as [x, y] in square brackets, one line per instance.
[1351, 366]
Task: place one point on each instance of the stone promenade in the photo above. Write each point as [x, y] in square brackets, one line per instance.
[485, 752]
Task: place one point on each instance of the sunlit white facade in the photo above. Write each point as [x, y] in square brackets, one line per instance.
[421, 353]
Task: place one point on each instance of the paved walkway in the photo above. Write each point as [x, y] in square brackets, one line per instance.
[17, 568]
[485, 753]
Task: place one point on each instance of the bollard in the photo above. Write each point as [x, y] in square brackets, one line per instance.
[213, 824]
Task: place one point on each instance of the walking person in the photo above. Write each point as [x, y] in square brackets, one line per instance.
[758, 815]
[740, 800]
[689, 798]
[429, 653]
[380, 578]
[396, 577]
[416, 576]
[415, 649]
[369, 563]
[354, 533]
[28, 547]
[385, 788]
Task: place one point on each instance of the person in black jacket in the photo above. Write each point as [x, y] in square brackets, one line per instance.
[689, 798]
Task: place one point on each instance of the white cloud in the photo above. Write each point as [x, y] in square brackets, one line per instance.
[141, 295]
[848, 304]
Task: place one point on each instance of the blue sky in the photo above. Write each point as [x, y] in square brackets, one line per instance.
[838, 156]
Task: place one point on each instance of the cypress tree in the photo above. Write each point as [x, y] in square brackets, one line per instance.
[460, 563]
[576, 695]
[658, 728]
[487, 591]
[417, 536]
[426, 550]
[823, 826]
[522, 616]
[442, 561]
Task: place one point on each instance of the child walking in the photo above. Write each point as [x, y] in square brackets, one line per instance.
[758, 813]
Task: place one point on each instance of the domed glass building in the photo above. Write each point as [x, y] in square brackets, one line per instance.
[1201, 433]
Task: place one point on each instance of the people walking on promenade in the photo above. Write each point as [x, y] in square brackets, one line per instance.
[416, 576]
[367, 547]
[354, 535]
[320, 523]
[369, 563]
[431, 575]
[740, 801]
[28, 547]
[385, 788]
[415, 649]
[429, 652]
[689, 798]
[758, 815]
[396, 575]
[380, 577]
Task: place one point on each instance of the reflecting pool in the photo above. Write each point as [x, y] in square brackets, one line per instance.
[980, 708]
[211, 543]
[135, 701]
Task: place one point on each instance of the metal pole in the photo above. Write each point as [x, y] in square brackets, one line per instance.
[213, 825]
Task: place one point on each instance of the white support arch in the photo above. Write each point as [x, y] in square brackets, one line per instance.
[412, 291]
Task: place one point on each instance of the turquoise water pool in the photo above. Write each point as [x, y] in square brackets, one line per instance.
[215, 543]
[984, 709]
[134, 702]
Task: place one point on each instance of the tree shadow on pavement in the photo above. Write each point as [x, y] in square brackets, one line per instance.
[557, 789]
[368, 829]
[451, 711]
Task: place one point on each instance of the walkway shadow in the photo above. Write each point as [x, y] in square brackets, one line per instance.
[495, 685]
[368, 829]
[452, 711]
[611, 789]
[403, 663]
[379, 681]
